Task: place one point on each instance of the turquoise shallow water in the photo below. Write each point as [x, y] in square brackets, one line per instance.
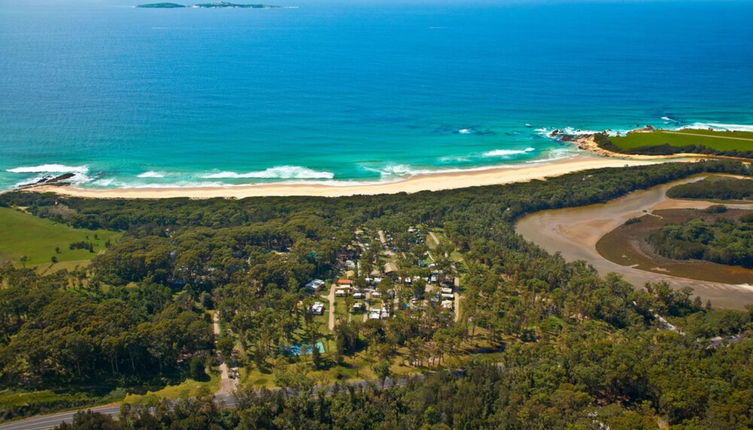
[349, 91]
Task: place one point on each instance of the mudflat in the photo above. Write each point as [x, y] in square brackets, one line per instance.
[574, 232]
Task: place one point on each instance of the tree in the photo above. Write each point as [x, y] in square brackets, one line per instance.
[196, 369]
[382, 370]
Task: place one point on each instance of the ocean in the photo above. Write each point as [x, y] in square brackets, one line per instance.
[343, 92]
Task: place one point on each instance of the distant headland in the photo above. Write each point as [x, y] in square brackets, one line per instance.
[655, 143]
[222, 4]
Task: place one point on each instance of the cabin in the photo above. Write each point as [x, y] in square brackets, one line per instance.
[379, 314]
[317, 308]
[315, 285]
[448, 304]
[384, 313]
[390, 268]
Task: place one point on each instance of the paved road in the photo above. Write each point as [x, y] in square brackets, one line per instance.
[223, 399]
[49, 421]
[45, 422]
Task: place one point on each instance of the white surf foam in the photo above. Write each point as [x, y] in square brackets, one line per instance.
[46, 171]
[279, 172]
[151, 174]
[392, 171]
[718, 126]
[546, 132]
[507, 152]
[49, 168]
[454, 158]
[105, 182]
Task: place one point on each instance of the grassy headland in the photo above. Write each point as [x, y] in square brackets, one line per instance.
[668, 142]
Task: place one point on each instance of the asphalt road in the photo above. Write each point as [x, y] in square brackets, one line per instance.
[44, 422]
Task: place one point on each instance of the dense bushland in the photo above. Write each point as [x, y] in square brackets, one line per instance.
[577, 349]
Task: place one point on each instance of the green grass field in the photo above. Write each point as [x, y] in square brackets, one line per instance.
[186, 389]
[23, 234]
[716, 140]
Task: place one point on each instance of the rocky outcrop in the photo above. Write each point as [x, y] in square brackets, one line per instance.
[50, 180]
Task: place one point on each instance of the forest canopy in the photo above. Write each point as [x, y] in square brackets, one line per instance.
[714, 187]
[543, 343]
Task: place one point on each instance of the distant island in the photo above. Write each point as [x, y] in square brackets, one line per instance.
[161, 5]
[222, 4]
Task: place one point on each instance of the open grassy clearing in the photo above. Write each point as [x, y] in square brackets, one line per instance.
[716, 140]
[186, 389]
[455, 255]
[39, 240]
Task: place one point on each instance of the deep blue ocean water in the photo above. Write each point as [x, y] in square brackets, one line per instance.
[349, 91]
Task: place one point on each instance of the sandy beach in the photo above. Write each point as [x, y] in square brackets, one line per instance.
[429, 182]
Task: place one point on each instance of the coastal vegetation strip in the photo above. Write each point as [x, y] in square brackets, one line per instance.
[715, 188]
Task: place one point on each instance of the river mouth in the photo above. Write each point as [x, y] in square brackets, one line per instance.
[575, 232]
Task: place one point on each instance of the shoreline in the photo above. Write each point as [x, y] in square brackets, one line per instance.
[413, 184]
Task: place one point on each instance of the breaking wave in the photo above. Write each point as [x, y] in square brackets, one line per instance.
[507, 152]
[718, 126]
[46, 171]
[50, 168]
[151, 174]
[280, 172]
